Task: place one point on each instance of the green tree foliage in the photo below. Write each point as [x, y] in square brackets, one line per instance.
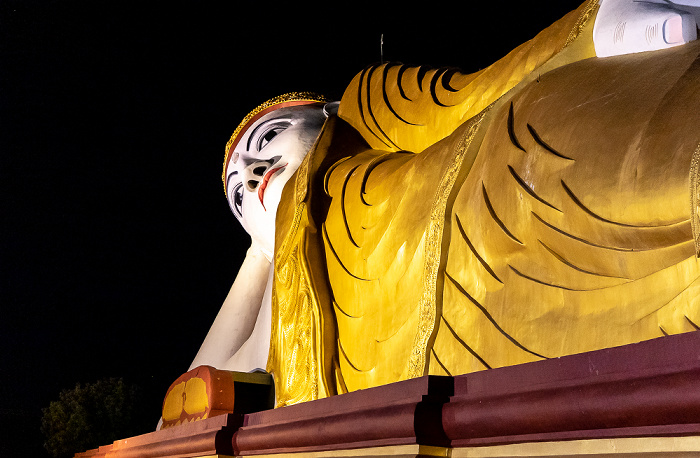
[91, 415]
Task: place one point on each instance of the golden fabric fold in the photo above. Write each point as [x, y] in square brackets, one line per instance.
[549, 214]
[395, 107]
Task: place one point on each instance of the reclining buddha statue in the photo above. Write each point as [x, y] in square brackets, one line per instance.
[436, 222]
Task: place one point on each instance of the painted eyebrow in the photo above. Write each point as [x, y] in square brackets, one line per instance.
[229, 176]
[265, 124]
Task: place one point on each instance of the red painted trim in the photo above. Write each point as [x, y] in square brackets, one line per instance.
[641, 390]
[649, 388]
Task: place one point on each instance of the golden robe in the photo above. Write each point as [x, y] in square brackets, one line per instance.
[446, 223]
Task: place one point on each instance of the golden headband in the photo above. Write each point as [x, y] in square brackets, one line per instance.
[286, 100]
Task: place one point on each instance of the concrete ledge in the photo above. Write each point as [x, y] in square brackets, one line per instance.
[640, 400]
[210, 437]
[402, 413]
[645, 389]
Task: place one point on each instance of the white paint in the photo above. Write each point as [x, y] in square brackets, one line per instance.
[235, 323]
[631, 26]
[274, 146]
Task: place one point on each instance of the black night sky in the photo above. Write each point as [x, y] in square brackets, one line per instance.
[117, 246]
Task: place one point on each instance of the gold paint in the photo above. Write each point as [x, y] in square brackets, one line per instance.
[429, 450]
[540, 209]
[629, 447]
[375, 264]
[428, 306]
[613, 263]
[587, 12]
[394, 107]
[383, 241]
[172, 406]
[403, 451]
[695, 198]
[297, 344]
[301, 183]
[196, 399]
[296, 373]
[215, 456]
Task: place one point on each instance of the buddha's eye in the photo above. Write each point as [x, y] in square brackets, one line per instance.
[237, 200]
[269, 134]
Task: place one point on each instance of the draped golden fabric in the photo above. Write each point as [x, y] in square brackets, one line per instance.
[551, 215]
[383, 244]
[572, 231]
[400, 108]
[303, 338]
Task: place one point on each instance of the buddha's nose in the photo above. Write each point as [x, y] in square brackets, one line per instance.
[254, 173]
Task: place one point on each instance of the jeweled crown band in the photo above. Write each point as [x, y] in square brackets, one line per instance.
[282, 101]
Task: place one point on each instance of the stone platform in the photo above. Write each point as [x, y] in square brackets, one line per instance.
[640, 400]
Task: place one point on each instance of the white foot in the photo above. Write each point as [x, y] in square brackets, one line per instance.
[630, 26]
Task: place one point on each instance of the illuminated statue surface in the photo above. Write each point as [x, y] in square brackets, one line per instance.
[444, 223]
[257, 169]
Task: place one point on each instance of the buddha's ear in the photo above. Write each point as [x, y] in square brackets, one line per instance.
[331, 108]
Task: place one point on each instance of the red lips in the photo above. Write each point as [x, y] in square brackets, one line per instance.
[263, 185]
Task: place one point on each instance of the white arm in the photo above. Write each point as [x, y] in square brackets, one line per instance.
[236, 320]
[254, 352]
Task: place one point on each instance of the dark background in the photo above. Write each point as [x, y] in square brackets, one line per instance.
[117, 246]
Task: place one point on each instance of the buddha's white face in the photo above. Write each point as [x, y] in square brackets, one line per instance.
[265, 158]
